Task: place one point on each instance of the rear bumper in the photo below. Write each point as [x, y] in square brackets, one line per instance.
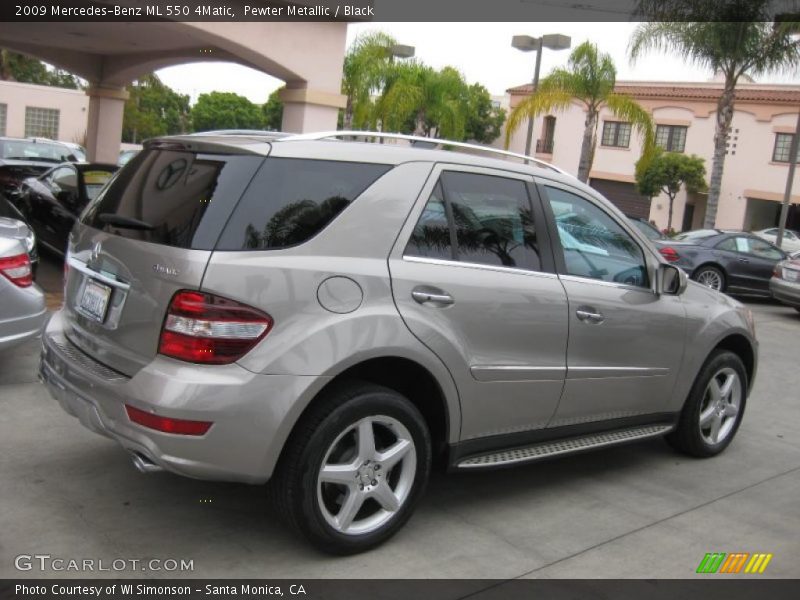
[252, 414]
[23, 316]
[785, 291]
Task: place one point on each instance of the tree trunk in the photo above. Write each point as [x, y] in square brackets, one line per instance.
[587, 147]
[724, 118]
[347, 122]
[669, 216]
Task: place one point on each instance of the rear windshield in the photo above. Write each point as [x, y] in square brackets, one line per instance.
[291, 200]
[182, 199]
[30, 150]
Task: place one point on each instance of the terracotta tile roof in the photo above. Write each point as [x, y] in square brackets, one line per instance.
[787, 94]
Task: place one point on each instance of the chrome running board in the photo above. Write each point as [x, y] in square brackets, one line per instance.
[550, 449]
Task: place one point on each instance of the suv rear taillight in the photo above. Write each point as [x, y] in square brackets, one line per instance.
[669, 253]
[205, 328]
[17, 269]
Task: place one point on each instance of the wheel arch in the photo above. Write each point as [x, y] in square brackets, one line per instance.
[407, 377]
[741, 347]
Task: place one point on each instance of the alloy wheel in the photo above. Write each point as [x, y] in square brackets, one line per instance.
[721, 405]
[367, 475]
[710, 279]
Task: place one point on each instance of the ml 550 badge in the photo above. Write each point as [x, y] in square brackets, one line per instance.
[735, 562]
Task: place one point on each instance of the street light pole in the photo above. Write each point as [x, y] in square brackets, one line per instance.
[534, 87]
[787, 194]
[526, 43]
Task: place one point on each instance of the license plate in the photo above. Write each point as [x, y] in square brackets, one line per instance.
[94, 302]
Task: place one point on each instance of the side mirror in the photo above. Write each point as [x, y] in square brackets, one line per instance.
[671, 280]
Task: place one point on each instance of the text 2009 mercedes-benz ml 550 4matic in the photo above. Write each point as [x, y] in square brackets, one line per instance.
[334, 317]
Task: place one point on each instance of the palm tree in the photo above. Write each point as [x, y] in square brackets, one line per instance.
[425, 101]
[727, 45]
[589, 78]
[364, 73]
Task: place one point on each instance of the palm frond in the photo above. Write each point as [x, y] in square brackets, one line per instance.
[543, 101]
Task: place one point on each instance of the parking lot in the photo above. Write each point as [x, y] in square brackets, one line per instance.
[632, 511]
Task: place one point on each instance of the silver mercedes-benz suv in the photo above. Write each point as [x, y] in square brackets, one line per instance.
[335, 317]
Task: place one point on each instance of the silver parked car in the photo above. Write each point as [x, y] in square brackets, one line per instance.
[22, 305]
[785, 283]
[335, 317]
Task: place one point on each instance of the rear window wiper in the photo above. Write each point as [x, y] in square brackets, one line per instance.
[124, 222]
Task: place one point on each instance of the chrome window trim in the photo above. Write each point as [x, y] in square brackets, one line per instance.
[471, 265]
[614, 284]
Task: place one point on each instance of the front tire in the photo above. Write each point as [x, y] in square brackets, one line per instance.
[354, 468]
[714, 409]
[711, 277]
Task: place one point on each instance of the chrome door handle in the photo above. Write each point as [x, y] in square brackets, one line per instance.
[744, 260]
[424, 297]
[589, 316]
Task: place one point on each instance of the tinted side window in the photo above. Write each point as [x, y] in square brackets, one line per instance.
[734, 244]
[431, 236]
[493, 220]
[594, 245]
[762, 249]
[291, 200]
[183, 197]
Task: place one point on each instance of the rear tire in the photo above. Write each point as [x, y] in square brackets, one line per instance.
[714, 408]
[711, 277]
[354, 468]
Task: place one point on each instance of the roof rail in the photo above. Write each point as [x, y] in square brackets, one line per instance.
[416, 139]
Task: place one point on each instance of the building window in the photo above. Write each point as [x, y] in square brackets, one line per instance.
[544, 145]
[616, 134]
[783, 145]
[41, 122]
[3, 114]
[671, 138]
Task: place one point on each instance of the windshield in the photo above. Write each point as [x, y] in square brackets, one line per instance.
[648, 230]
[42, 151]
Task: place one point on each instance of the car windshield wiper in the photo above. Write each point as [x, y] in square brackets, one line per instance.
[124, 222]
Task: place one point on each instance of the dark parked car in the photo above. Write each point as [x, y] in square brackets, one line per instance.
[52, 202]
[727, 261]
[21, 158]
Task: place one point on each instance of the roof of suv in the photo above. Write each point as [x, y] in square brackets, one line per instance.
[278, 144]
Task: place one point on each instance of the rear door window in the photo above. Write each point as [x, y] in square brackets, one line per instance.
[183, 198]
[291, 200]
[488, 218]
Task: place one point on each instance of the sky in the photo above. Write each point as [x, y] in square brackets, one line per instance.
[481, 51]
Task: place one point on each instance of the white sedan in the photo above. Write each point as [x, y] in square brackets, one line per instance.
[791, 240]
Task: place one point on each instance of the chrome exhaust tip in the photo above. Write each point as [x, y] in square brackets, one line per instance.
[144, 464]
